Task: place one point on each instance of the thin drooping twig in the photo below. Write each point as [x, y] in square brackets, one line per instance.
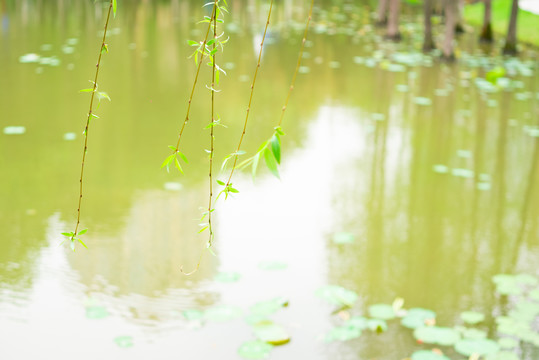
[212, 18]
[299, 62]
[213, 68]
[250, 99]
[90, 115]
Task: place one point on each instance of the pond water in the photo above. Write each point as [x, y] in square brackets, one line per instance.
[402, 177]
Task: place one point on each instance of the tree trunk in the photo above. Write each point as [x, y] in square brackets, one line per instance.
[382, 12]
[459, 16]
[428, 42]
[393, 21]
[450, 21]
[486, 32]
[510, 47]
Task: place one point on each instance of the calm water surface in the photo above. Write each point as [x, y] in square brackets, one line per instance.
[432, 171]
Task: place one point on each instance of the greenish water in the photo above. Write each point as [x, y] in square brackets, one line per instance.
[430, 172]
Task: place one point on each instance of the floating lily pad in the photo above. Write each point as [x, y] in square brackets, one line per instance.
[124, 341]
[358, 322]
[268, 307]
[382, 311]
[428, 355]
[272, 265]
[377, 325]
[337, 295]
[402, 88]
[343, 238]
[343, 333]
[14, 130]
[271, 333]
[507, 343]
[526, 279]
[223, 313]
[471, 333]
[70, 136]
[437, 335]
[440, 169]
[472, 317]
[483, 186]
[29, 58]
[227, 277]
[465, 173]
[193, 314]
[534, 294]
[480, 347]
[422, 101]
[416, 318]
[255, 350]
[503, 355]
[96, 312]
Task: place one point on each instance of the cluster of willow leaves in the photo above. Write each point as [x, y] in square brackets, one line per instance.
[206, 51]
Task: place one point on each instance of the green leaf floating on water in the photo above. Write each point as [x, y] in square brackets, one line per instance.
[382, 311]
[271, 333]
[437, 335]
[507, 343]
[255, 350]
[227, 277]
[503, 355]
[428, 355]
[471, 333]
[480, 347]
[423, 101]
[416, 317]
[343, 238]
[223, 313]
[377, 325]
[343, 333]
[193, 314]
[472, 317]
[96, 312]
[124, 341]
[337, 295]
[268, 307]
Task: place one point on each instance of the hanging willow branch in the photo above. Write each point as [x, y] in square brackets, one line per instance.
[74, 235]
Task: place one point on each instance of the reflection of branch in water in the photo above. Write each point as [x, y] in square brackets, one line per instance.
[500, 176]
[526, 205]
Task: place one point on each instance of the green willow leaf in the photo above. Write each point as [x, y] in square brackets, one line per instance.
[270, 162]
[83, 244]
[82, 232]
[167, 161]
[276, 147]
[114, 7]
[177, 164]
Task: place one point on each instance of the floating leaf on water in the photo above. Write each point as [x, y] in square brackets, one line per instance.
[172, 186]
[14, 130]
[495, 74]
[422, 101]
[472, 317]
[402, 88]
[124, 341]
[222, 313]
[534, 294]
[66, 49]
[378, 117]
[227, 277]
[507, 343]
[255, 349]
[358, 322]
[268, 307]
[428, 355]
[479, 347]
[272, 265]
[465, 173]
[382, 311]
[337, 295]
[484, 177]
[483, 186]
[72, 41]
[96, 312]
[471, 333]
[464, 154]
[46, 47]
[377, 325]
[416, 318]
[343, 238]
[441, 92]
[503, 355]
[29, 58]
[526, 279]
[440, 169]
[70, 136]
[271, 333]
[437, 335]
[396, 68]
[343, 333]
[359, 60]
[193, 314]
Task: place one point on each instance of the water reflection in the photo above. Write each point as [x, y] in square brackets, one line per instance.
[434, 176]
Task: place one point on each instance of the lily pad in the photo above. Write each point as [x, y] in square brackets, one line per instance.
[358, 322]
[343, 238]
[416, 318]
[268, 307]
[29, 58]
[227, 277]
[124, 341]
[14, 130]
[471, 333]
[255, 349]
[437, 335]
[481, 347]
[472, 317]
[222, 313]
[96, 312]
[382, 311]
[422, 101]
[428, 355]
[337, 295]
[377, 325]
[465, 173]
[507, 343]
[440, 169]
[503, 355]
[343, 333]
[271, 333]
